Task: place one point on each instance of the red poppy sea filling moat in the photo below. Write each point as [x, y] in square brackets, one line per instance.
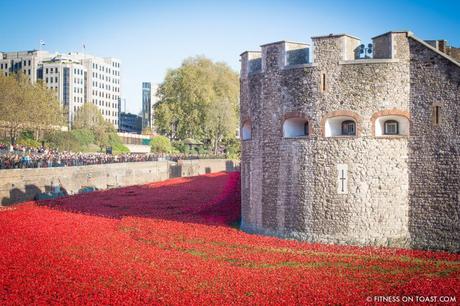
[178, 242]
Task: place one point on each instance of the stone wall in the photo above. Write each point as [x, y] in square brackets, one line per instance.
[289, 185]
[203, 166]
[434, 159]
[18, 185]
[455, 53]
[382, 46]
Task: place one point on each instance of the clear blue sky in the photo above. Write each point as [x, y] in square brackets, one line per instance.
[151, 36]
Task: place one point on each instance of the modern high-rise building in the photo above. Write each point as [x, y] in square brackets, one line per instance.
[149, 98]
[130, 123]
[75, 77]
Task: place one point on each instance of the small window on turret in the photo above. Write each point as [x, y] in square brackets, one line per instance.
[391, 127]
[348, 128]
[436, 114]
[246, 130]
[323, 82]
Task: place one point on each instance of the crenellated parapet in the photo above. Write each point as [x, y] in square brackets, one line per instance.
[274, 56]
[251, 62]
[327, 50]
[391, 45]
[339, 47]
[281, 54]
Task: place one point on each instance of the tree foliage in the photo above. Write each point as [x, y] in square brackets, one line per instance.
[116, 143]
[83, 140]
[198, 100]
[89, 117]
[147, 131]
[63, 141]
[160, 144]
[29, 142]
[25, 105]
[84, 136]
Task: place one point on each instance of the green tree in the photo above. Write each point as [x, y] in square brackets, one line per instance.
[24, 106]
[116, 143]
[101, 137]
[160, 144]
[233, 148]
[198, 100]
[64, 141]
[84, 136]
[219, 124]
[29, 142]
[48, 107]
[167, 119]
[90, 118]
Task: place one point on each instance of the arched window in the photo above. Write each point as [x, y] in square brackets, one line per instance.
[246, 130]
[348, 128]
[391, 127]
[341, 123]
[295, 127]
[390, 123]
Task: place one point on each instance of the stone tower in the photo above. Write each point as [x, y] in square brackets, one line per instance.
[343, 147]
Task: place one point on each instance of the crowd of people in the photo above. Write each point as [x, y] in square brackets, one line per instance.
[17, 157]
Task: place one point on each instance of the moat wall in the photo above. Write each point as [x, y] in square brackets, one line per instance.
[18, 185]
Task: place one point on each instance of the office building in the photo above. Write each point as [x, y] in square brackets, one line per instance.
[130, 123]
[75, 77]
[149, 98]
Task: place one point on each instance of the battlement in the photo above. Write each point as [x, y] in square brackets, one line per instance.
[251, 62]
[276, 55]
[443, 46]
[338, 48]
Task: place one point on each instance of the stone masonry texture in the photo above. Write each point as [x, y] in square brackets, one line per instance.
[403, 190]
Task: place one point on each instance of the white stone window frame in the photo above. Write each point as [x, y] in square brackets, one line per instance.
[246, 130]
[294, 127]
[333, 127]
[403, 126]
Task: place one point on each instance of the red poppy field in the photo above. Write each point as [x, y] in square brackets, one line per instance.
[177, 243]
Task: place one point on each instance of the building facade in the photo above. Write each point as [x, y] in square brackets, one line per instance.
[351, 150]
[149, 98]
[130, 123]
[75, 77]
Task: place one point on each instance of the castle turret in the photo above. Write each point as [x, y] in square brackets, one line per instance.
[334, 143]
